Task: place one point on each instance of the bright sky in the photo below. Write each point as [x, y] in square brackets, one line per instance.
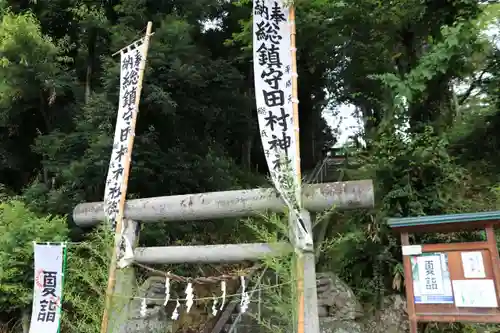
[344, 120]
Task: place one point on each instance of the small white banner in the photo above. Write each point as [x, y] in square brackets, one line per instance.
[47, 293]
[272, 61]
[132, 60]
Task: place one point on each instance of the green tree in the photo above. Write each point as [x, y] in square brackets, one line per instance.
[33, 86]
[19, 228]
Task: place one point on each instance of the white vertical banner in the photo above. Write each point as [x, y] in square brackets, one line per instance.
[47, 292]
[132, 60]
[272, 61]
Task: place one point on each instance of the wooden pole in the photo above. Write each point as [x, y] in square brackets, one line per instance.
[405, 241]
[295, 95]
[121, 207]
[300, 293]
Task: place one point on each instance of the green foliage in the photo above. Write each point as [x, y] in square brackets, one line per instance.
[456, 41]
[278, 297]
[411, 170]
[86, 281]
[30, 61]
[19, 228]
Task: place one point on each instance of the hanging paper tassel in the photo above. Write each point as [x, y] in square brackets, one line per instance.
[245, 302]
[167, 290]
[245, 299]
[189, 296]
[143, 307]
[175, 314]
[223, 289]
[214, 307]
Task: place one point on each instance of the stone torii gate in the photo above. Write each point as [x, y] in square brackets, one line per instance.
[217, 205]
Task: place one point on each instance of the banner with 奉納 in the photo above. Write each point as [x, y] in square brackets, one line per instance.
[278, 124]
[48, 287]
[132, 61]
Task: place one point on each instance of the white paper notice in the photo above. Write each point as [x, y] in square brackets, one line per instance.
[473, 265]
[424, 289]
[475, 293]
[412, 250]
[430, 275]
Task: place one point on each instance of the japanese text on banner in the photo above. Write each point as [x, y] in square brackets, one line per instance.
[47, 290]
[129, 84]
[273, 92]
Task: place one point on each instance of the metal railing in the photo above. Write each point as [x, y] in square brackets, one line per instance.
[324, 169]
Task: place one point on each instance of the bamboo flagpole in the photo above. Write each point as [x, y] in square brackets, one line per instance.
[295, 95]
[125, 169]
[307, 301]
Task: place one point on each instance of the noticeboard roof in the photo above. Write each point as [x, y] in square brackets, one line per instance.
[445, 222]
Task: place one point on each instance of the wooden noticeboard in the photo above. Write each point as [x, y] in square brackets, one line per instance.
[452, 282]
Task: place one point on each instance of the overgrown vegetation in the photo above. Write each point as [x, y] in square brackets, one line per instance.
[422, 75]
[87, 276]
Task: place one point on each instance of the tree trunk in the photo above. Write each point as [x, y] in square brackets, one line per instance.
[45, 115]
[436, 107]
[90, 63]
[88, 87]
[306, 116]
[44, 112]
[246, 154]
[320, 233]
[25, 320]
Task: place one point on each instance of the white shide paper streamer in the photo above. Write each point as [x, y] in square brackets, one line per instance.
[214, 307]
[245, 298]
[143, 307]
[223, 290]
[175, 313]
[167, 290]
[189, 296]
